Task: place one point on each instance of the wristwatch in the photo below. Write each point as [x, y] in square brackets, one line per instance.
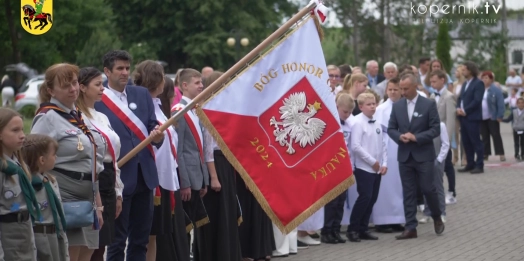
[119, 197]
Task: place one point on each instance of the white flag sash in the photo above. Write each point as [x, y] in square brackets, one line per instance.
[122, 111]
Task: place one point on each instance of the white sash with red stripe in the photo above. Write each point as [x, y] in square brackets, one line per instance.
[167, 155]
[194, 126]
[111, 147]
[122, 111]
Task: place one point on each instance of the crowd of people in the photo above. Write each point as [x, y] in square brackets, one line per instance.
[66, 198]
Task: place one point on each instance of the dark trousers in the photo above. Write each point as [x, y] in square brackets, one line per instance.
[491, 128]
[450, 173]
[133, 224]
[415, 174]
[470, 133]
[333, 212]
[368, 185]
[518, 140]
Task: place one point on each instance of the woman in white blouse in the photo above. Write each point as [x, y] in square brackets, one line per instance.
[109, 182]
[150, 75]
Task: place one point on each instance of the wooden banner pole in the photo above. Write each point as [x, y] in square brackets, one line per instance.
[216, 84]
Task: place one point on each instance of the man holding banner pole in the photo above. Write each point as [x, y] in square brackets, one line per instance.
[131, 112]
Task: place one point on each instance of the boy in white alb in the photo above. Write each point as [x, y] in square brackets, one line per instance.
[441, 149]
[334, 210]
[368, 144]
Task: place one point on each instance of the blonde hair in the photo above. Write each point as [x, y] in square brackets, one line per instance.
[377, 97]
[350, 80]
[363, 97]
[36, 146]
[6, 115]
[345, 99]
[63, 73]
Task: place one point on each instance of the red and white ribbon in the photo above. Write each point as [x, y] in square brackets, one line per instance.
[320, 10]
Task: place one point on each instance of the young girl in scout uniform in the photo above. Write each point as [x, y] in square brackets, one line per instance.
[18, 204]
[39, 152]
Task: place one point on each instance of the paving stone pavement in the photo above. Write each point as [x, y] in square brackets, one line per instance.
[485, 225]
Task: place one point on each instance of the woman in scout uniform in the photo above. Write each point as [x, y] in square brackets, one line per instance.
[18, 204]
[80, 152]
[109, 183]
[150, 75]
[39, 152]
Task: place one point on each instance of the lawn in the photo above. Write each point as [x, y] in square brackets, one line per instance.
[27, 125]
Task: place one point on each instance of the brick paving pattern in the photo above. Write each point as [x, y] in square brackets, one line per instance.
[485, 225]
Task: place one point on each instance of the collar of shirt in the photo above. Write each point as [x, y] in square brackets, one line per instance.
[118, 94]
[186, 99]
[157, 101]
[414, 101]
[60, 105]
[520, 111]
[373, 79]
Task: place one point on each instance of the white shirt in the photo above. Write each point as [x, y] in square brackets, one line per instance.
[411, 106]
[422, 76]
[514, 80]
[101, 122]
[121, 95]
[444, 143]
[437, 97]
[512, 101]
[368, 144]
[210, 145]
[166, 163]
[350, 121]
[485, 109]
[423, 94]
[465, 89]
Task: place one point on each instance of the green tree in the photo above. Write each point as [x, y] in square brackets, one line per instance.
[74, 22]
[444, 46]
[335, 46]
[194, 33]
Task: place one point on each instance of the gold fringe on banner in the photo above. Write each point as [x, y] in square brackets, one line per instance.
[240, 169]
[319, 27]
[256, 191]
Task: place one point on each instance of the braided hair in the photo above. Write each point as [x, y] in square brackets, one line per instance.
[36, 146]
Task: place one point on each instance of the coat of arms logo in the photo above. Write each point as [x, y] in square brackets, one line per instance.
[297, 126]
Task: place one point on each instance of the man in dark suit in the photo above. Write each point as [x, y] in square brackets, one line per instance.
[413, 125]
[469, 111]
[139, 174]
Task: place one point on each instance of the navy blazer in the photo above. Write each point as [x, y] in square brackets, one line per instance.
[425, 125]
[472, 98]
[146, 113]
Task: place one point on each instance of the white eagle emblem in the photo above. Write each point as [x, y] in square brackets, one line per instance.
[297, 126]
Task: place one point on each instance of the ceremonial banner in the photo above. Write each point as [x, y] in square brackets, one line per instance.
[277, 123]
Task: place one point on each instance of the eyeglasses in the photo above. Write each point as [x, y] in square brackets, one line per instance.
[334, 76]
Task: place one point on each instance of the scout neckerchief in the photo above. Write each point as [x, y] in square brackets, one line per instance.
[75, 118]
[10, 169]
[54, 202]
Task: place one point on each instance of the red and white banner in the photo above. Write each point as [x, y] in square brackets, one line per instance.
[277, 123]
